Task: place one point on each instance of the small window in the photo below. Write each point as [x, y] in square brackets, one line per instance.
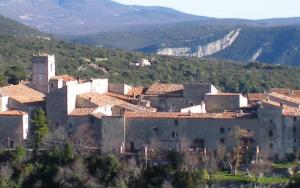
[222, 140]
[52, 85]
[56, 124]
[295, 118]
[222, 130]
[12, 144]
[176, 122]
[70, 126]
[271, 146]
[294, 129]
[174, 134]
[155, 129]
[271, 121]
[295, 140]
[270, 134]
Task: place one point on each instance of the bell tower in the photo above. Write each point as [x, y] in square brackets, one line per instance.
[43, 69]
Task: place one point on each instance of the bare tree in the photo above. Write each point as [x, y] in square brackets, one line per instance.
[237, 135]
[83, 139]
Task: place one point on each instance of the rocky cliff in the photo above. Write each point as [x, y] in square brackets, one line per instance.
[203, 50]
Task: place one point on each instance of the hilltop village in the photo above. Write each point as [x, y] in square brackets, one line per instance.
[121, 118]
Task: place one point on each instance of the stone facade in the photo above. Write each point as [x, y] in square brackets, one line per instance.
[13, 129]
[43, 69]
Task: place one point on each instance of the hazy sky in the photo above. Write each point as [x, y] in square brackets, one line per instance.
[252, 9]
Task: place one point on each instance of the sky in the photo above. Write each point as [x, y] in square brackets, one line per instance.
[249, 9]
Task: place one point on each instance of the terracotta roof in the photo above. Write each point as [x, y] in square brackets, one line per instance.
[64, 77]
[271, 103]
[256, 96]
[13, 113]
[82, 111]
[106, 100]
[291, 112]
[22, 93]
[138, 90]
[177, 115]
[284, 97]
[287, 92]
[119, 96]
[160, 89]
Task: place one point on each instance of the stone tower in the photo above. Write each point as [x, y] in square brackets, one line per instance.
[43, 69]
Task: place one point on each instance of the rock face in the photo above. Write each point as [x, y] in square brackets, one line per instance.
[203, 50]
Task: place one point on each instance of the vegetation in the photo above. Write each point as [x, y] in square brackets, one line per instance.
[74, 59]
[39, 129]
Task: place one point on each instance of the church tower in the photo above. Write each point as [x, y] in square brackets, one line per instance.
[43, 69]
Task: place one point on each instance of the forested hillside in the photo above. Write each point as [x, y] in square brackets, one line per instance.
[16, 52]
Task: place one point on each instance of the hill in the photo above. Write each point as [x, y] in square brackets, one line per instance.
[75, 59]
[272, 44]
[67, 17]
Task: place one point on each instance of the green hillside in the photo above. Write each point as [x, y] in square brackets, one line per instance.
[278, 45]
[16, 52]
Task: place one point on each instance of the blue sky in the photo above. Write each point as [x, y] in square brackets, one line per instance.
[251, 9]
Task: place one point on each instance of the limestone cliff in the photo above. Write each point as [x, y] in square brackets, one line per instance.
[203, 50]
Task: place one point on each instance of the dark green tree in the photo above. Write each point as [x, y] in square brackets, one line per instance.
[39, 129]
[15, 74]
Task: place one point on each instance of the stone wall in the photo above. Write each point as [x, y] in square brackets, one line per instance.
[13, 130]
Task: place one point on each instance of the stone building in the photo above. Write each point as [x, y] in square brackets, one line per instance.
[43, 69]
[121, 118]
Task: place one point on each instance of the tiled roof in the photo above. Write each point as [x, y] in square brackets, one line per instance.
[271, 103]
[160, 89]
[64, 77]
[176, 115]
[135, 91]
[13, 113]
[22, 93]
[106, 100]
[284, 97]
[287, 92]
[256, 96]
[82, 111]
[291, 112]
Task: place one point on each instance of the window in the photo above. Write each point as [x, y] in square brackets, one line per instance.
[222, 130]
[176, 122]
[12, 144]
[56, 124]
[270, 134]
[294, 129]
[271, 121]
[271, 146]
[51, 85]
[174, 134]
[295, 140]
[295, 118]
[155, 129]
[70, 126]
[222, 140]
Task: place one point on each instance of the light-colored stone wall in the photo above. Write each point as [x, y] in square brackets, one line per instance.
[122, 89]
[112, 133]
[13, 130]
[220, 103]
[195, 93]
[43, 68]
[3, 103]
[167, 103]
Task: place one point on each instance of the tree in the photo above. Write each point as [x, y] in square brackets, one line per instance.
[15, 75]
[39, 129]
[238, 135]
